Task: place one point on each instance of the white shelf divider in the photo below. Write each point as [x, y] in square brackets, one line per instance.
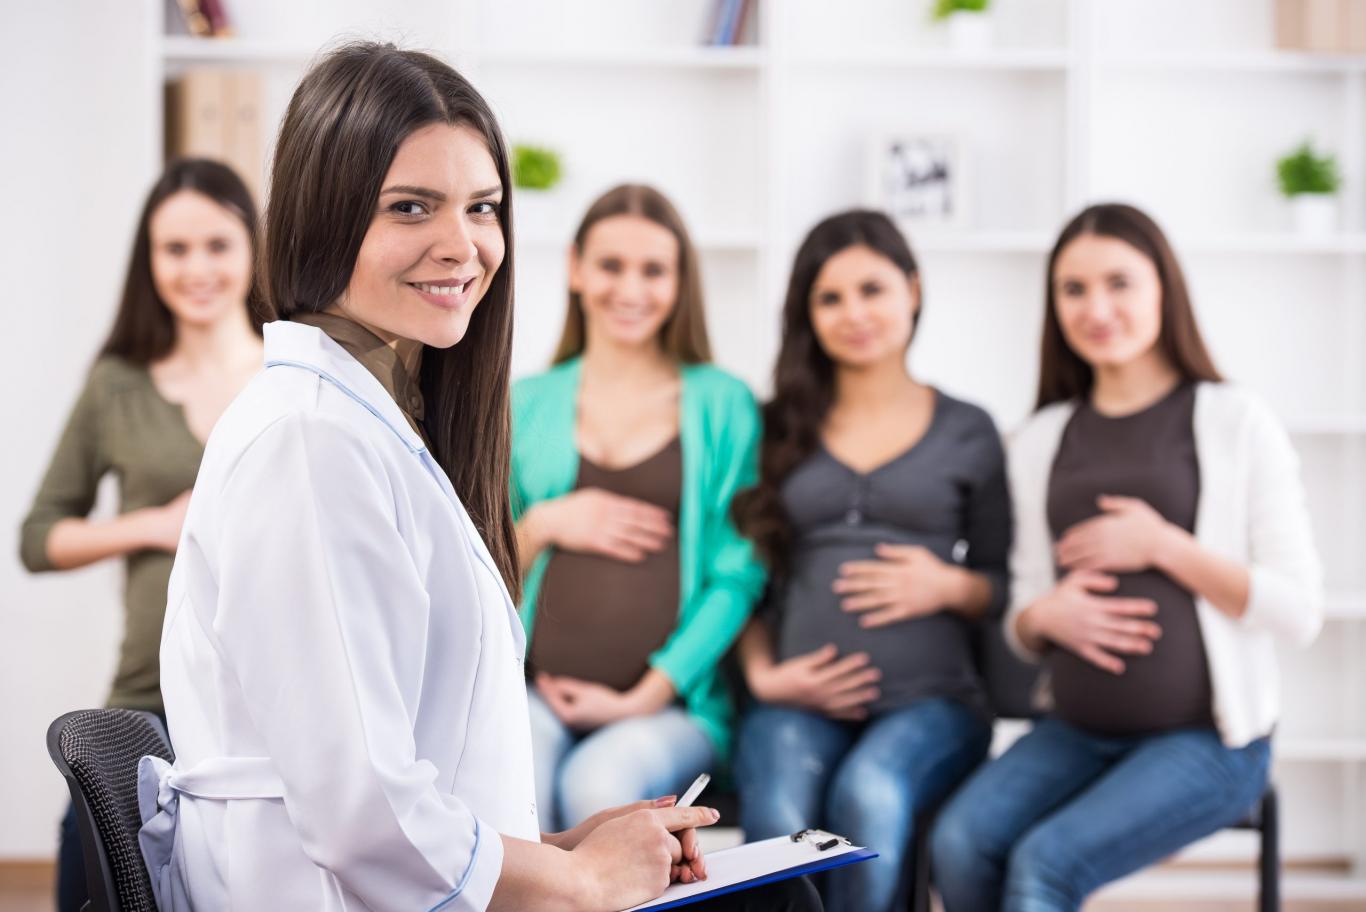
[742, 57]
[1023, 59]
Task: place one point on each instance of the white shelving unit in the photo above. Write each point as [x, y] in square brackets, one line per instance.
[1178, 109]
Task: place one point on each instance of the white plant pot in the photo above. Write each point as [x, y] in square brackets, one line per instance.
[1314, 214]
[970, 31]
[537, 214]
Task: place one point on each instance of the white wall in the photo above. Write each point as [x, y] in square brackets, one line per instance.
[753, 155]
[74, 161]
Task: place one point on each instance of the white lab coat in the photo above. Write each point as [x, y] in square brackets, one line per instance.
[341, 664]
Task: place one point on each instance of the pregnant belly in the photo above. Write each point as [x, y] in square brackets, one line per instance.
[919, 657]
[1167, 689]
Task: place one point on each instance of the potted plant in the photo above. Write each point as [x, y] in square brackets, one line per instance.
[535, 172]
[969, 25]
[1310, 181]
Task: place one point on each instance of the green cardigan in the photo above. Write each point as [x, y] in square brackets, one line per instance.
[719, 575]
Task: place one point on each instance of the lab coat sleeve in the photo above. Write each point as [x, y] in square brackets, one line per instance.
[322, 618]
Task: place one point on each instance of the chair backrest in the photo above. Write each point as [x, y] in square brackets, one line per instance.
[97, 751]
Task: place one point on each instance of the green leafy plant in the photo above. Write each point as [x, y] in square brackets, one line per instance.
[535, 167]
[1302, 171]
[945, 8]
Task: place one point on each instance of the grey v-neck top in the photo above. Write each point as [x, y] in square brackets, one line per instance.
[948, 494]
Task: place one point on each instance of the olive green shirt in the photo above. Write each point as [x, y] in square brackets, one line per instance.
[120, 424]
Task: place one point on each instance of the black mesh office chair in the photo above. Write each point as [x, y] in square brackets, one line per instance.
[97, 752]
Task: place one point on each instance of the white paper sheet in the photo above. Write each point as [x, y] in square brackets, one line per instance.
[746, 862]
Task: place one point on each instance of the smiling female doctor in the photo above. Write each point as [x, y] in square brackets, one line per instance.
[342, 661]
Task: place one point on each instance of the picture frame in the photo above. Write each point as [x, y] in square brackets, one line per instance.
[918, 179]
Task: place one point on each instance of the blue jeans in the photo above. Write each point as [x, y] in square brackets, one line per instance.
[867, 781]
[579, 774]
[1063, 812]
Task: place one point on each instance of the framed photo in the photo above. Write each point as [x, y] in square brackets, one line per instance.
[918, 179]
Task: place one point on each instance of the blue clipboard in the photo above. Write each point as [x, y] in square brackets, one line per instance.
[807, 865]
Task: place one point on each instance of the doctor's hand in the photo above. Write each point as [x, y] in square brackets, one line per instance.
[632, 858]
[594, 521]
[569, 839]
[584, 705]
[821, 681]
[1129, 536]
[1078, 616]
[906, 581]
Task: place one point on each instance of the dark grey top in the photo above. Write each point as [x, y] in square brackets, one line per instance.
[1149, 455]
[947, 493]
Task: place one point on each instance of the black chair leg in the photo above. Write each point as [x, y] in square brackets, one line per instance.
[920, 868]
[1269, 887]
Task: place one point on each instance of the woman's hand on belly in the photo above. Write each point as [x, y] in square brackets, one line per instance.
[594, 521]
[820, 681]
[586, 705]
[1127, 537]
[1078, 616]
[907, 581]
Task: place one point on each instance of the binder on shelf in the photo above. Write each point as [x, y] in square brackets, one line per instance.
[244, 140]
[213, 112]
[195, 115]
[756, 863]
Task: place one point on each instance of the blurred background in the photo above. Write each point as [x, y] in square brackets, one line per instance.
[981, 133]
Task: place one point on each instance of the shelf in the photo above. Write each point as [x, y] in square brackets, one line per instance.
[950, 241]
[1257, 61]
[939, 59]
[1319, 750]
[741, 58]
[1345, 425]
[185, 49]
[1169, 883]
[1345, 606]
[1272, 243]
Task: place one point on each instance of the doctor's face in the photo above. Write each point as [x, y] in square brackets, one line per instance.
[434, 242]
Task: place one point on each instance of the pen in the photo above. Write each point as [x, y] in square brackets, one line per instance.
[693, 791]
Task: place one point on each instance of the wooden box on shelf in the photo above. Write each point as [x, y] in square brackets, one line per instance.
[1321, 25]
[214, 112]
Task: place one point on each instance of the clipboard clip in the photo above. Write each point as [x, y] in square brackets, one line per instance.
[821, 839]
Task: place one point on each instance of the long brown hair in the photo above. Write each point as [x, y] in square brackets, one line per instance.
[144, 328]
[1063, 374]
[340, 134]
[804, 376]
[684, 334]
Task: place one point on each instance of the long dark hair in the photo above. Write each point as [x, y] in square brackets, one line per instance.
[144, 329]
[684, 334]
[804, 377]
[340, 134]
[1063, 375]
